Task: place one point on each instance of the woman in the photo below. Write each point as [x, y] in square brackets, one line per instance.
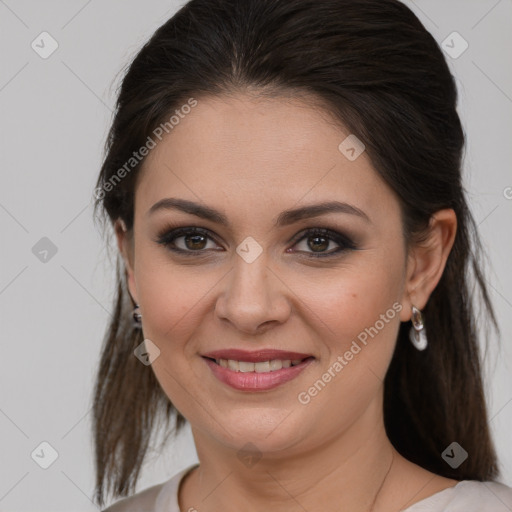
[284, 182]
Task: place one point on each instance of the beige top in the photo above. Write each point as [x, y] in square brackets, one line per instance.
[466, 496]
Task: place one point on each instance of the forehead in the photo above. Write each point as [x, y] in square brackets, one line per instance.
[257, 150]
[248, 127]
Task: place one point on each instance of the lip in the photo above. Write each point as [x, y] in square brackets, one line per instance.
[254, 381]
[255, 356]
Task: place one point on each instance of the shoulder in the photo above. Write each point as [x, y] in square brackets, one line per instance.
[144, 501]
[162, 497]
[468, 496]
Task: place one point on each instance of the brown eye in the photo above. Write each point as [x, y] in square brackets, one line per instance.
[187, 240]
[194, 242]
[317, 241]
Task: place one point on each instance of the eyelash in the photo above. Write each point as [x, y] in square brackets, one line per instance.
[167, 238]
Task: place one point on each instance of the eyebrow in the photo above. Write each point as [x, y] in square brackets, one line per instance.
[285, 218]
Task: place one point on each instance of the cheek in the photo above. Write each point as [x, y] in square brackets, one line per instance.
[361, 309]
[172, 300]
[163, 296]
[339, 303]
[350, 300]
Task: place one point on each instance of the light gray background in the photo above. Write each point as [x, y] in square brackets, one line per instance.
[54, 116]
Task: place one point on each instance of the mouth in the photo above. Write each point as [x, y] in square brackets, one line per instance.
[270, 365]
[256, 371]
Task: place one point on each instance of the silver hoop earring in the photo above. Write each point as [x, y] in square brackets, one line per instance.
[417, 334]
[137, 317]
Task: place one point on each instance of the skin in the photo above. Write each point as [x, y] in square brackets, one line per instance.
[251, 158]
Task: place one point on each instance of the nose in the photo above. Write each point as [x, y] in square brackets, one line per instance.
[253, 299]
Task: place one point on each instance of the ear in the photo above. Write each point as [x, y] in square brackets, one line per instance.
[426, 261]
[125, 246]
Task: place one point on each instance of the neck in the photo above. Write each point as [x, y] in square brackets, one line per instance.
[345, 472]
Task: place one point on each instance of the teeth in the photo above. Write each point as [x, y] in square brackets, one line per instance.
[260, 367]
[275, 364]
[233, 365]
[244, 367]
[263, 366]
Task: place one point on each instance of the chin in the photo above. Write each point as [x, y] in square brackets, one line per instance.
[267, 429]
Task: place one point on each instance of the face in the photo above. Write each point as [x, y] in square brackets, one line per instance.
[248, 264]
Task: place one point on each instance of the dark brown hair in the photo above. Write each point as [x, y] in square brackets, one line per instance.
[381, 73]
